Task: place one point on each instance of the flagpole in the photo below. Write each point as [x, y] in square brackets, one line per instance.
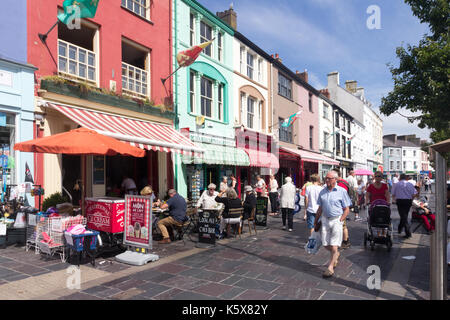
[43, 37]
[165, 79]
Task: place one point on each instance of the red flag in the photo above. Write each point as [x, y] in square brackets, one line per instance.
[188, 57]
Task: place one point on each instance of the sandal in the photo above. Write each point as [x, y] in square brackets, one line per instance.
[327, 274]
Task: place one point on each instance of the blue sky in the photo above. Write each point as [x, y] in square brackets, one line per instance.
[332, 35]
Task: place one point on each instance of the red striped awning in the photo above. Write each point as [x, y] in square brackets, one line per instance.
[262, 159]
[139, 133]
[309, 156]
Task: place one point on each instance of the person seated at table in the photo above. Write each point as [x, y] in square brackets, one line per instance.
[249, 203]
[208, 198]
[177, 214]
[148, 191]
[422, 211]
[231, 201]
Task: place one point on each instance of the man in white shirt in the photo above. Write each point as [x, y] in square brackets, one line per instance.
[311, 196]
[224, 184]
[395, 179]
[207, 200]
[352, 180]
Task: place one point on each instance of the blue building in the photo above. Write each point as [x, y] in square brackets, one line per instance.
[16, 92]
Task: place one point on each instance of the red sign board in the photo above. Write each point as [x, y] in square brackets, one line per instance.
[138, 221]
[105, 215]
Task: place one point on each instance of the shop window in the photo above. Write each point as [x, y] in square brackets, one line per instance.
[7, 139]
[206, 97]
[138, 7]
[77, 58]
[205, 36]
[135, 69]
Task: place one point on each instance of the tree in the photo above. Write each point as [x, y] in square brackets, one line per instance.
[422, 79]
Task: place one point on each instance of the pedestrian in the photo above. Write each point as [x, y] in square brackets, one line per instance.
[395, 179]
[311, 196]
[273, 195]
[344, 184]
[223, 185]
[427, 184]
[303, 193]
[351, 179]
[403, 193]
[378, 190]
[261, 185]
[334, 206]
[288, 203]
[421, 206]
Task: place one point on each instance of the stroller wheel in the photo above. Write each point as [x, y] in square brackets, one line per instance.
[389, 245]
[365, 239]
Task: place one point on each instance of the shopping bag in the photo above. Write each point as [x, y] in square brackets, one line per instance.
[314, 243]
[20, 220]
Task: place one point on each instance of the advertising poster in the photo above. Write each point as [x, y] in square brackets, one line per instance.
[138, 221]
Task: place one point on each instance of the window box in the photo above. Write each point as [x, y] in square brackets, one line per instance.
[83, 91]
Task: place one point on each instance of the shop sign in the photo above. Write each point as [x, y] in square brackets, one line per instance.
[207, 221]
[204, 138]
[6, 78]
[138, 221]
[261, 211]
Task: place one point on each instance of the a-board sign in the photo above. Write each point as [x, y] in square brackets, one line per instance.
[261, 211]
[138, 221]
[207, 221]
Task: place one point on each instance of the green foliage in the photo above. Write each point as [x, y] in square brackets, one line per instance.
[53, 200]
[422, 79]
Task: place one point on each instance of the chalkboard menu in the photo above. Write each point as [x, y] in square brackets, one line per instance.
[261, 211]
[207, 221]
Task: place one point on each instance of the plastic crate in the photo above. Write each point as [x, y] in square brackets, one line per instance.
[76, 241]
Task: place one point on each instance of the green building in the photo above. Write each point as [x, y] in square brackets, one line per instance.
[203, 100]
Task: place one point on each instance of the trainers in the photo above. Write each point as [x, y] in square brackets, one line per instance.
[290, 230]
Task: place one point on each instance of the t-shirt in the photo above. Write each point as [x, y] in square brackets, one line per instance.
[128, 184]
[333, 202]
[377, 194]
[312, 193]
[177, 207]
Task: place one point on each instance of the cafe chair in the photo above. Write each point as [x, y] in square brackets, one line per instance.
[237, 225]
[181, 231]
[251, 219]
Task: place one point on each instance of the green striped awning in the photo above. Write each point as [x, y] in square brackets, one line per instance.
[215, 154]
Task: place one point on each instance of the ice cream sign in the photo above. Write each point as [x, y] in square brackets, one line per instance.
[138, 221]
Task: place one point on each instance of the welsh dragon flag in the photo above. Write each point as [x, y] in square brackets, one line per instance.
[86, 9]
[288, 122]
[188, 57]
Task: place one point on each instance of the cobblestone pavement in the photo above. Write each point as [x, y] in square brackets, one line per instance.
[270, 265]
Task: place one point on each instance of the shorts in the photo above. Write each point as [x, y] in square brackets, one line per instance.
[332, 231]
[310, 217]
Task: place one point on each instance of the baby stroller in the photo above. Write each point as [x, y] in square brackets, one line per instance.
[379, 225]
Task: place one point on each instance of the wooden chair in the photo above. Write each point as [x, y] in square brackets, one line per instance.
[251, 219]
[239, 228]
[190, 213]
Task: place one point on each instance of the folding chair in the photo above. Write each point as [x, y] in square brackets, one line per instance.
[181, 231]
[415, 217]
[251, 219]
[239, 228]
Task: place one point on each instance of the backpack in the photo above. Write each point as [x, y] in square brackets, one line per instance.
[351, 192]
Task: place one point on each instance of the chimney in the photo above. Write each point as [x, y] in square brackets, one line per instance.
[277, 57]
[333, 79]
[303, 75]
[325, 92]
[229, 17]
[351, 85]
[360, 92]
[392, 137]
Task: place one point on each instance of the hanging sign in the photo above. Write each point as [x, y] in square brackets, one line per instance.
[138, 221]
